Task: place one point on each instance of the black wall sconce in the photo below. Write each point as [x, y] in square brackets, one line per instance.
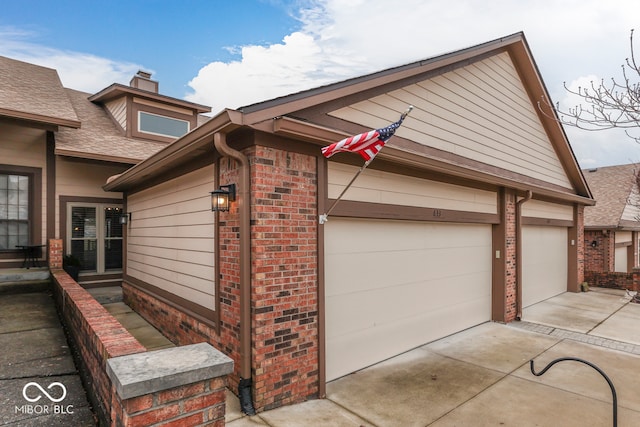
[222, 197]
[124, 218]
[594, 244]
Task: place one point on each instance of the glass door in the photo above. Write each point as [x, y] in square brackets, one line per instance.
[96, 237]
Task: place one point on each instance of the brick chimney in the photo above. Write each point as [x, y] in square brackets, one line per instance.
[142, 80]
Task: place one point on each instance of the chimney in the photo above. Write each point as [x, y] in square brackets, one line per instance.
[142, 80]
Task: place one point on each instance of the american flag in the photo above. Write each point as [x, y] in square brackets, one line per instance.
[366, 144]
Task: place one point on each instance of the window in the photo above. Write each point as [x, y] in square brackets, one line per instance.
[14, 211]
[95, 236]
[161, 125]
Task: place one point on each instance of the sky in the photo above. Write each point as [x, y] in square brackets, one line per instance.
[226, 54]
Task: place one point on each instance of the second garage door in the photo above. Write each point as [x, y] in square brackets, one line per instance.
[391, 286]
[544, 263]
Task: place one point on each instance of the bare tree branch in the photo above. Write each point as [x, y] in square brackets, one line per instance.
[607, 105]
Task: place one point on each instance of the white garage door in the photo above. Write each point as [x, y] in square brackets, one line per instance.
[391, 286]
[544, 263]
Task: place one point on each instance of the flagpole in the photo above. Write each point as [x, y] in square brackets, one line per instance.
[324, 217]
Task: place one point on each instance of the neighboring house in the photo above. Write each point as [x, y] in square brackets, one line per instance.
[471, 212]
[57, 148]
[611, 226]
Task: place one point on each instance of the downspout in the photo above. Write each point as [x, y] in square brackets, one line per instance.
[244, 207]
[519, 204]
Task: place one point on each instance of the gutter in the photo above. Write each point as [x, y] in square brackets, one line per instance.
[519, 204]
[244, 206]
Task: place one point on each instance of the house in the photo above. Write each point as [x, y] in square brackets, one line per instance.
[611, 226]
[472, 211]
[57, 148]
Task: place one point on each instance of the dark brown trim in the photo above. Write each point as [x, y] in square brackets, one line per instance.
[192, 309]
[353, 209]
[527, 220]
[51, 188]
[117, 90]
[108, 279]
[39, 118]
[322, 187]
[622, 244]
[632, 254]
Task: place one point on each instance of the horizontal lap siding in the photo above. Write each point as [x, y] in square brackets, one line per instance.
[383, 187]
[481, 112]
[538, 209]
[170, 241]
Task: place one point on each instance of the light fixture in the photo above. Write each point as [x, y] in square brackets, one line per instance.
[594, 243]
[124, 218]
[221, 198]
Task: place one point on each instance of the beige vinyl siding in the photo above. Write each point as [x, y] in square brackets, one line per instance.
[621, 252]
[170, 241]
[481, 112]
[631, 210]
[82, 179]
[118, 109]
[391, 286]
[539, 209]
[389, 188]
[23, 146]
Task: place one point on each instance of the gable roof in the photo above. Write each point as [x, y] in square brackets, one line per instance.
[34, 93]
[311, 116]
[615, 189]
[99, 138]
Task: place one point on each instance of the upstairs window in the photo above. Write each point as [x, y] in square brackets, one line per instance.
[161, 125]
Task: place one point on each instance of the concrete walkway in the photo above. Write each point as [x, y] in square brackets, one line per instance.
[481, 376]
[36, 363]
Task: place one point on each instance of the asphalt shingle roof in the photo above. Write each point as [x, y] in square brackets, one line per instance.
[99, 137]
[29, 91]
[612, 186]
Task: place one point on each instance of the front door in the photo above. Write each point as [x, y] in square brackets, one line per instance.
[95, 237]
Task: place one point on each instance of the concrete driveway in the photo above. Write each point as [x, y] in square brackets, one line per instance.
[481, 376]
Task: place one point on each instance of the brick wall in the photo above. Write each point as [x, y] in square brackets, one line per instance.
[610, 279]
[601, 257]
[284, 277]
[96, 334]
[581, 244]
[196, 404]
[511, 309]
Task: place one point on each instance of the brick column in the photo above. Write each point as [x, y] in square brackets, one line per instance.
[284, 277]
[55, 254]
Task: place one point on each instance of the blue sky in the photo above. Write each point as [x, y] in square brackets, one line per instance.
[227, 54]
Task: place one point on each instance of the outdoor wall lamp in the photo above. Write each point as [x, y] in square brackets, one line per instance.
[594, 243]
[221, 198]
[124, 218]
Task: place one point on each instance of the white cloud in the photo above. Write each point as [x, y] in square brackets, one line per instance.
[80, 71]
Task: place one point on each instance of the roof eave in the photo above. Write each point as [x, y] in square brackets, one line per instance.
[40, 119]
[116, 90]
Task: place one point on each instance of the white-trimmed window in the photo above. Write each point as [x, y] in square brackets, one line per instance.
[156, 124]
[94, 236]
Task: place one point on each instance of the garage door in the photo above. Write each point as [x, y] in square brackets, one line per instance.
[391, 286]
[544, 263]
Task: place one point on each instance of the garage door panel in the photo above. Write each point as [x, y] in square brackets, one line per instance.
[384, 299]
[366, 271]
[362, 348]
[388, 304]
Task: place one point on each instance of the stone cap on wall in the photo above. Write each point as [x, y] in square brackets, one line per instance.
[144, 373]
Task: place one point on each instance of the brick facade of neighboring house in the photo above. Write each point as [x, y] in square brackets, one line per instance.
[612, 226]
